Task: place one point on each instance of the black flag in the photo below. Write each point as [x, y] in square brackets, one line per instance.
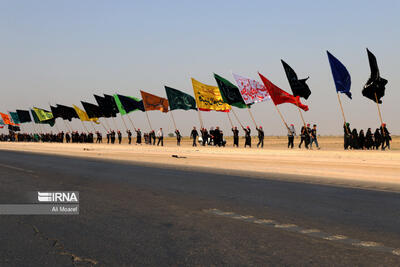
[93, 111]
[67, 113]
[106, 106]
[110, 101]
[299, 87]
[56, 112]
[375, 84]
[23, 116]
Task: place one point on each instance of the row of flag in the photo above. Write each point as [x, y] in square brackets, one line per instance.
[221, 98]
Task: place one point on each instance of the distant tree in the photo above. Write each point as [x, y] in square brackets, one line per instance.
[171, 135]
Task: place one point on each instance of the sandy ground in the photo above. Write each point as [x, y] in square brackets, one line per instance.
[330, 165]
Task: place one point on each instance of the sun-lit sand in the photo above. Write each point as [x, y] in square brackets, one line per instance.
[332, 165]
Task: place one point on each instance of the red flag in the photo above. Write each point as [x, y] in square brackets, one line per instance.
[279, 96]
[6, 119]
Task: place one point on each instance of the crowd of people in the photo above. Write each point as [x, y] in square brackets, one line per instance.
[380, 139]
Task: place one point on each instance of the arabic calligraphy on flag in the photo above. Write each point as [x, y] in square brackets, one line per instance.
[251, 90]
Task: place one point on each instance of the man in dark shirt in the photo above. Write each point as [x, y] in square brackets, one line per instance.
[204, 136]
[129, 136]
[314, 136]
[194, 134]
[178, 137]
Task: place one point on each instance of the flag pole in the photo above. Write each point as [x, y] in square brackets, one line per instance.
[55, 124]
[123, 120]
[230, 120]
[173, 119]
[234, 113]
[148, 120]
[84, 127]
[379, 112]
[251, 115]
[103, 126]
[107, 125]
[341, 108]
[67, 126]
[115, 124]
[201, 121]
[301, 115]
[94, 128]
[131, 122]
[280, 114]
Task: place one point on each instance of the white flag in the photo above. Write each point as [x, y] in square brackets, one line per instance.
[251, 90]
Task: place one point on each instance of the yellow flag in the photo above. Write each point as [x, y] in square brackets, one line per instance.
[43, 115]
[208, 97]
[83, 116]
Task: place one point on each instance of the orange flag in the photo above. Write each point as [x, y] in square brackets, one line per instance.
[6, 119]
[153, 102]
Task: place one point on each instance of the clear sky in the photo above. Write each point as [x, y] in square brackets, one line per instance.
[64, 51]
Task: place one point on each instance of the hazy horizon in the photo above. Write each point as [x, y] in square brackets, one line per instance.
[64, 52]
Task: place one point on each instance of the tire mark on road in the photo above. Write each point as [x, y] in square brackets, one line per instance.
[309, 232]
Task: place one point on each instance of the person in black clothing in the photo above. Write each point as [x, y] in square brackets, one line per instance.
[378, 139]
[247, 132]
[67, 137]
[291, 134]
[361, 140]
[194, 134]
[347, 135]
[112, 137]
[99, 137]
[217, 137]
[129, 136]
[308, 135]
[153, 137]
[108, 137]
[369, 141]
[303, 137]
[385, 137]
[90, 137]
[138, 137]
[314, 137]
[260, 136]
[354, 139]
[235, 136]
[204, 136]
[178, 137]
[119, 137]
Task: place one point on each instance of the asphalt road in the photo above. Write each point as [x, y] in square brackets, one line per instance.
[132, 215]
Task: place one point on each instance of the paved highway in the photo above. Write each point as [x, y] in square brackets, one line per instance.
[133, 215]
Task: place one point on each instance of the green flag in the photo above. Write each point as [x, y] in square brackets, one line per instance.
[127, 104]
[179, 100]
[230, 93]
[15, 117]
[36, 119]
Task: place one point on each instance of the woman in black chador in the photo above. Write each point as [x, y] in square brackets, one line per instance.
[354, 139]
[369, 141]
[247, 135]
[361, 140]
[378, 138]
